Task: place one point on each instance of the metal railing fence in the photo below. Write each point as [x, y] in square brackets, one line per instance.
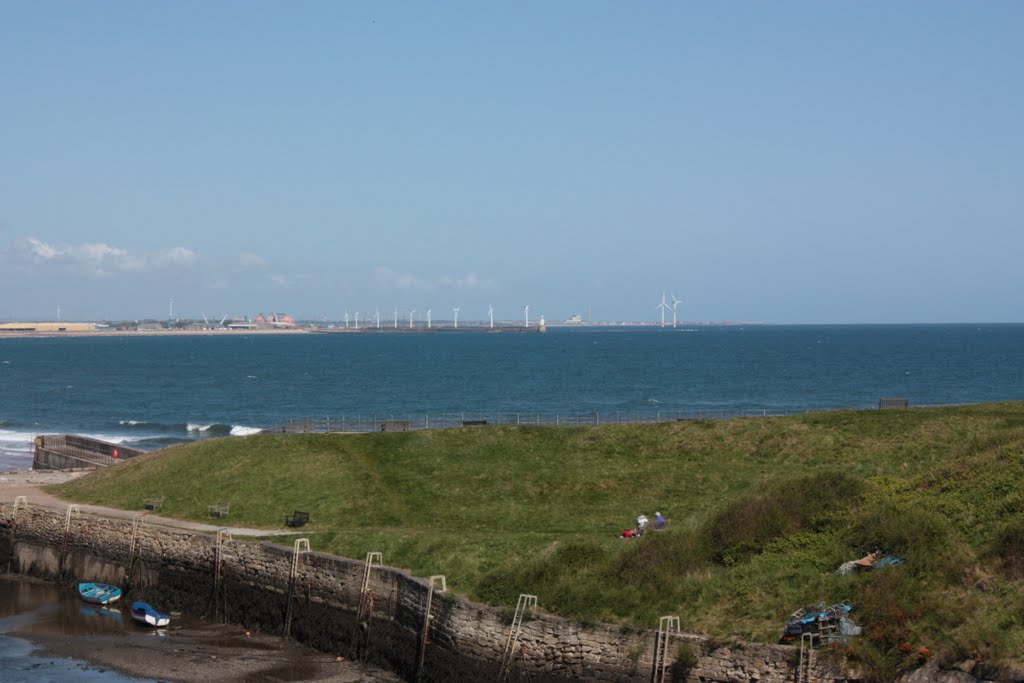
[61, 451]
[392, 422]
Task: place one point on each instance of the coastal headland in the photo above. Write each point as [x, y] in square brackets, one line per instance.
[763, 511]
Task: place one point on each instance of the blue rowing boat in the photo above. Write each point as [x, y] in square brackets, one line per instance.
[145, 614]
[99, 593]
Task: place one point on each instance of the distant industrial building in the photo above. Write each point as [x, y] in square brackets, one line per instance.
[274, 320]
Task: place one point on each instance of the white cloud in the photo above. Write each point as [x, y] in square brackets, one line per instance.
[469, 281]
[386, 277]
[280, 279]
[176, 256]
[392, 279]
[100, 259]
[250, 260]
[41, 249]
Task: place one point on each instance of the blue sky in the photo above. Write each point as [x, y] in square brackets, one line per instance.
[782, 162]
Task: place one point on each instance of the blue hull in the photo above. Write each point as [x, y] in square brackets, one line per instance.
[99, 593]
[146, 615]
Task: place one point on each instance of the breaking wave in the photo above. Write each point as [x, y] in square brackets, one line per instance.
[189, 429]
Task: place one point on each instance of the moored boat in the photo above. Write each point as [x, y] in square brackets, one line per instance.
[145, 614]
[99, 593]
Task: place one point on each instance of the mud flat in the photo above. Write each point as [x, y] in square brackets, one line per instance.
[62, 626]
[208, 652]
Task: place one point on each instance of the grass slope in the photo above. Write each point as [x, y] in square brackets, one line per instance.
[763, 512]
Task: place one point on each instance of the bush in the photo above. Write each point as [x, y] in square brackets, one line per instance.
[744, 528]
[1008, 547]
[925, 538]
[686, 658]
[659, 560]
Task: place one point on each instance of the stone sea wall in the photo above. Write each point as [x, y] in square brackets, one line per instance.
[252, 584]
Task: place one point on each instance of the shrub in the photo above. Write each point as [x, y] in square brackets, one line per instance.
[746, 526]
[686, 658]
[1008, 547]
[660, 559]
[925, 538]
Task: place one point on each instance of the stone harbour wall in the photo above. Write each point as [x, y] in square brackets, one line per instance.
[251, 584]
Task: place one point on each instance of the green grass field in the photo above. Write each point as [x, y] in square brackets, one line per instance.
[763, 511]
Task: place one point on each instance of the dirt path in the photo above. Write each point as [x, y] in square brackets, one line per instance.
[29, 483]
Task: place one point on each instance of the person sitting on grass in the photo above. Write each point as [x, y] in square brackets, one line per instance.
[641, 524]
[659, 521]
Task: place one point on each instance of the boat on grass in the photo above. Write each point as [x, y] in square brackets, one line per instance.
[147, 615]
[99, 593]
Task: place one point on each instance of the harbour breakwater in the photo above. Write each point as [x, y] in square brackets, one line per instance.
[380, 614]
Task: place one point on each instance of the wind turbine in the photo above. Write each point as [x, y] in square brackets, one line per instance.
[396, 317]
[675, 305]
[410, 317]
[490, 314]
[664, 307]
[357, 320]
[378, 318]
[428, 318]
[526, 312]
[346, 320]
[456, 309]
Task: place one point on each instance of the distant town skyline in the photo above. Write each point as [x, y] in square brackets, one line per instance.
[796, 162]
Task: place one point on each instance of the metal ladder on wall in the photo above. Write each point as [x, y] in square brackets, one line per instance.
[219, 588]
[805, 665]
[668, 627]
[364, 611]
[437, 582]
[524, 603]
[373, 559]
[300, 549]
[73, 512]
[20, 503]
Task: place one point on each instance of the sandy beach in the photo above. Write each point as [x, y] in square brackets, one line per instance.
[35, 334]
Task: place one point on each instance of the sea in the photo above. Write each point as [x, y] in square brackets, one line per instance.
[153, 391]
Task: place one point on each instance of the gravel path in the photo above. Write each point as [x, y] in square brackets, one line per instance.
[29, 483]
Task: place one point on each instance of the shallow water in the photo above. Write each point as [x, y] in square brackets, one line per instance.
[27, 606]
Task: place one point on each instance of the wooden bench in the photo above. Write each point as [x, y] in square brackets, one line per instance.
[394, 426]
[297, 519]
[219, 509]
[884, 403]
[153, 503]
[473, 423]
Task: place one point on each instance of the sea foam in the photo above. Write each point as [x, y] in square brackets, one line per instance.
[240, 430]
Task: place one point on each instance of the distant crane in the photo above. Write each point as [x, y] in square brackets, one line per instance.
[455, 310]
[664, 307]
[675, 305]
[490, 314]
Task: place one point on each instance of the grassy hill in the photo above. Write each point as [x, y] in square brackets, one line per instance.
[763, 511]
